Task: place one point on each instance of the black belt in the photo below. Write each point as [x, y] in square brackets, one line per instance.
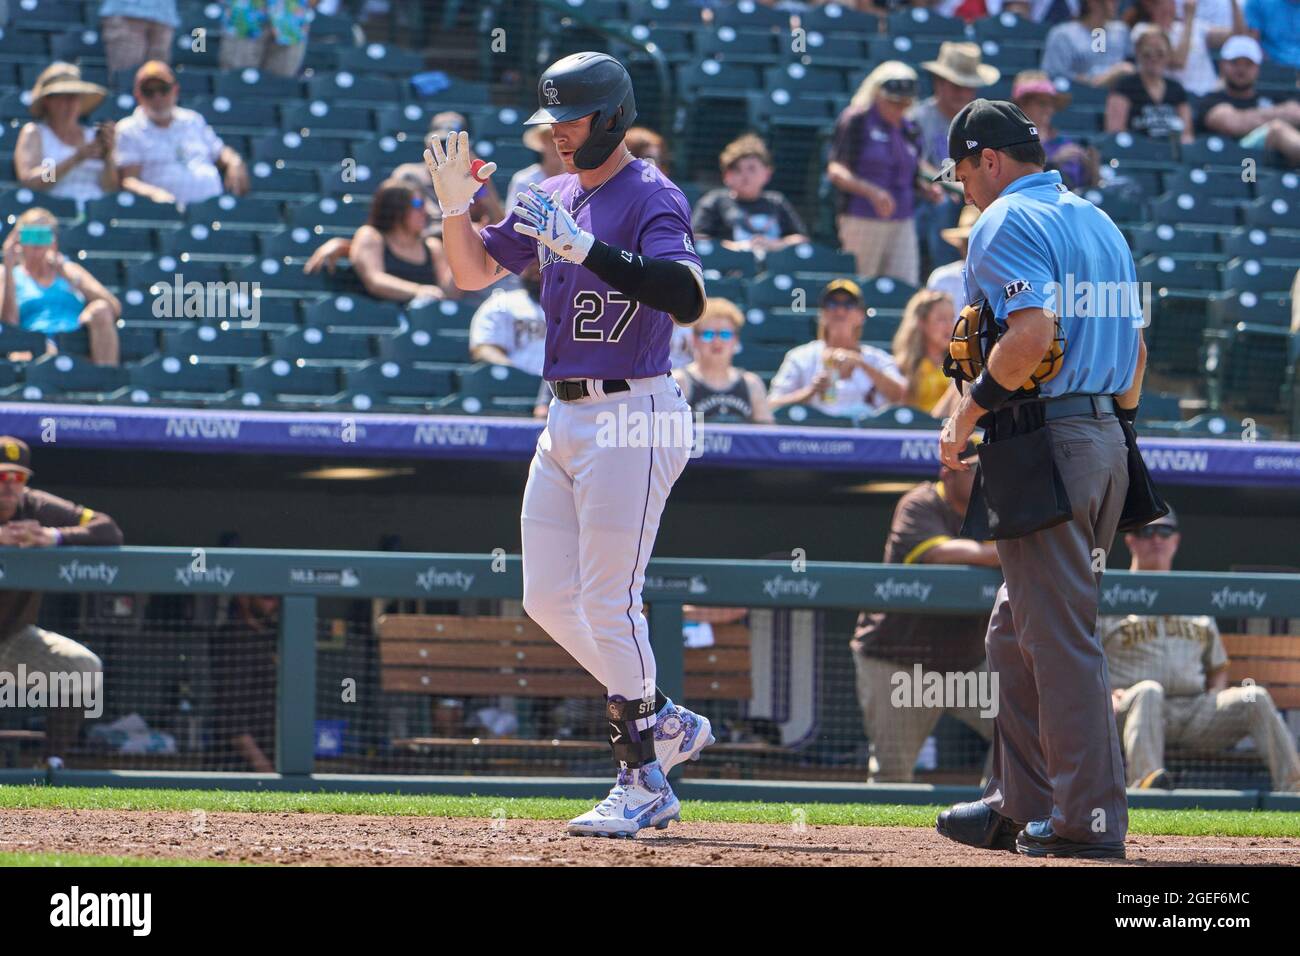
[571, 390]
[1068, 406]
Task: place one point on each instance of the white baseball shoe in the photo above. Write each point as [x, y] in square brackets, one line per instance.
[640, 798]
[680, 735]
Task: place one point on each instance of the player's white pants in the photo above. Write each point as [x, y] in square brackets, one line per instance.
[590, 515]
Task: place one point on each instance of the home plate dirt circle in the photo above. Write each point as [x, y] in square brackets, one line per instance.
[352, 840]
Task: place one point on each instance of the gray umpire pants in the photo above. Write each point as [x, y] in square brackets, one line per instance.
[1056, 751]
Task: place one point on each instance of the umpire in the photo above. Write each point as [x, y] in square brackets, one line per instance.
[1039, 256]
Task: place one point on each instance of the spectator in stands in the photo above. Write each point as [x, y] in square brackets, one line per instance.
[836, 373]
[1170, 680]
[1277, 25]
[957, 76]
[136, 31]
[644, 143]
[55, 153]
[1072, 53]
[44, 291]
[509, 328]
[875, 164]
[1239, 112]
[244, 683]
[540, 140]
[951, 278]
[1189, 58]
[1149, 102]
[742, 214]
[920, 345]
[715, 388]
[267, 35]
[1035, 93]
[38, 519]
[926, 529]
[393, 254]
[170, 154]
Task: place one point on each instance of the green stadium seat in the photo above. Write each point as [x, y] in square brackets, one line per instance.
[1256, 242]
[1177, 272]
[748, 14]
[442, 314]
[837, 19]
[107, 271]
[164, 270]
[346, 311]
[1166, 238]
[317, 345]
[1010, 58]
[269, 181]
[174, 379]
[1216, 151]
[229, 212]
[1192, 207]
[294, 148]
[604, 11]
[239, 84]
[288, 245]
[200, 242]
[809, 257]
[282, 381]
[216, 343]
[808, 416]
[718, 77]
[17, 201]
[1160, 407]
[73, 379]
[798, 78]
[277, 277]
[921, 22]
[910, 49]
[1119, 204]
[1009, 28]
[837, 49]
[484, 380]
[47, 16]
[330, 215]
[1261, 308]
[740, 46]
[881, 325]
[424, 345]
[899, 416]
[1178, 321]
[15, 339]
[660, 12]
[1246, 365]
[1199, 182]
[780, 291]
[96, 236]
[381, 156]
[399, 383]
[1257, 275]
[1275, 212]
[379, 58]
[885, 292]
[323, 118]
[1285, 186]
[1125, 147]
[1209, 425]
[779, 327]
[346, 86]
[719, 261]
[731, 289]
[676, 43]
[133, 343]
[760, 357]
[244, 113]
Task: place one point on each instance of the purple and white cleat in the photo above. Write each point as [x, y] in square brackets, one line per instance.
[680, 735]
[640, 799]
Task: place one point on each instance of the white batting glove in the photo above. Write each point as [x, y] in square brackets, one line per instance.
[453, 178]
[544, 219]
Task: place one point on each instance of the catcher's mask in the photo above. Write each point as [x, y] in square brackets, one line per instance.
[976, 332]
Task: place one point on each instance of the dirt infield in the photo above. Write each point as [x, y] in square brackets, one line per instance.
[346, 840]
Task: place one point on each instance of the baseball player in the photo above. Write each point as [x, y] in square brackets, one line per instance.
[1170, 674]
[1057, 782]
[612, 236]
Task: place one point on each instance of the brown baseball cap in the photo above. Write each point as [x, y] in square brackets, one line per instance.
[15, 455]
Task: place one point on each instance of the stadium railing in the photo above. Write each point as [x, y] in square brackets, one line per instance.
[305, 579]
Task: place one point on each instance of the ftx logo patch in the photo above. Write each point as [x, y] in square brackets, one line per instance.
[1013, 289]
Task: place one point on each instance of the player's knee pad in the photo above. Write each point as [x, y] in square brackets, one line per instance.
[631, 730]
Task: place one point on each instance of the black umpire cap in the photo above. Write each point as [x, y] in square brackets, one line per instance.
[987, 124]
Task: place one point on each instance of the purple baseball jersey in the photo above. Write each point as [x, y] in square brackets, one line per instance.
[592, 330]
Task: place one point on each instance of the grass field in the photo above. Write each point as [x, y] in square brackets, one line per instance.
[1228, 823]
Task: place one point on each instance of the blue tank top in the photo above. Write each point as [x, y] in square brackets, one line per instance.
[49, 309]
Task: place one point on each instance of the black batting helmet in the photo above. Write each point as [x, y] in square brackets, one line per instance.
[588, 84]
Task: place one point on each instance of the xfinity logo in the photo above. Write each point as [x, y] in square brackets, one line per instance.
[1228, 598]
[550, 92]
[217, 574]
[778, 586]
[433, 578]
[889, 589]
[76, 571]
[1117, 594]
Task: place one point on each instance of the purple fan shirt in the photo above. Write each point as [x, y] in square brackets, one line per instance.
[593, 330]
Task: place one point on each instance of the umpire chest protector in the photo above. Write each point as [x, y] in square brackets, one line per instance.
[588, 84]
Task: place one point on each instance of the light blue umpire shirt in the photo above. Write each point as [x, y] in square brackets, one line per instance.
[1038, 245]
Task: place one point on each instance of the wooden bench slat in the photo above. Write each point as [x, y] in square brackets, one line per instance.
[450, 627]
[718, 687]
[464, 683]
[710, 660]
[1266, 673]
[483, 655]
[1275, 646]
[1285, 698]
[731, 635]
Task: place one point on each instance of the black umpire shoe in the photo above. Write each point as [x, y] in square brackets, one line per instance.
[1038, 839]
[977, 824]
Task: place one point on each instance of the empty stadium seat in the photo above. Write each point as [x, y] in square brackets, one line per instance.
[346, 311]
[720, 261]
[317, 345]
[1166, 238]
[69, 378]
[424, 345]
[237, 84]
[293, 148]
[1193, 207]
[740, 46]
[93, 235]
[172, 379]
[230, 212]
[885, 292]
[836, 18]
[1175, 272]
[286, 382]
[778, 327]
[216, 343]
[399, 383]
[297, 243]
[1258, 276]
[329, 214]
[1271, 212]
[809, 257]
[1246, 365]
[899, 416]
[129, 209]
[346, 86]
[808, 416]
[16, 202]
[1256, 242]
[1262, 308]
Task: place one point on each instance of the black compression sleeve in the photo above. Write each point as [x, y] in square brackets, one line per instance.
[659, 283]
